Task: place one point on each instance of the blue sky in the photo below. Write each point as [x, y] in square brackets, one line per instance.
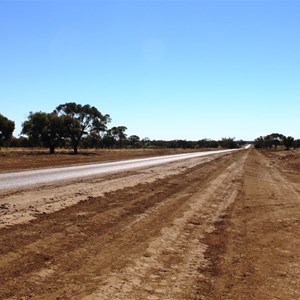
[165, 69]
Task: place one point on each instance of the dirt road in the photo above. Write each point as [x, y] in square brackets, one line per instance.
[26, 179]
[205, 228]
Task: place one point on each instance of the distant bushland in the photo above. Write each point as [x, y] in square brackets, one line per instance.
[73, 126]
[276, 140]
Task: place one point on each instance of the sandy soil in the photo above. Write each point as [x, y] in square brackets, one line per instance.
[208, 228]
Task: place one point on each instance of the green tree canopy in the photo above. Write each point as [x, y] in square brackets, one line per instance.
[274, 139]
[81, 120]
[134, 141]
[46, 129]
[7, 127]
[119, 135]
[229, 143]
[288, 142]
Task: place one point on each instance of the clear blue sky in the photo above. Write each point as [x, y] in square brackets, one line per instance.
[181, 69]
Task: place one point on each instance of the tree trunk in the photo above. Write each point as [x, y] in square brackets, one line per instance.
[75, 149]
[52, 149]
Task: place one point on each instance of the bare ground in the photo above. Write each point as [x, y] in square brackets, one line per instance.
[206, 228]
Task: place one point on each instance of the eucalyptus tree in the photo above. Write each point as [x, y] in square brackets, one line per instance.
[119, 135]
[259, 142]
[108, 140]
[44, 129]
[275, 139]
[288, 142]
[134, 141]
[296, 143]
[7, 127]
[81, 120]
[229, 143]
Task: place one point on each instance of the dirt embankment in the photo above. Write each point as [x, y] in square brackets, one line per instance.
[223, 228]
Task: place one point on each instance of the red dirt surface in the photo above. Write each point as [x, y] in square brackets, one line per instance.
[208, 228]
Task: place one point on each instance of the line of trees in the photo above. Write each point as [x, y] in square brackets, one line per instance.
[66, 126]
[274, 140]
[74, 126]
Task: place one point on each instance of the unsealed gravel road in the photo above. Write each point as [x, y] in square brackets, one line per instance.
[223, 227]
[26, 179]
